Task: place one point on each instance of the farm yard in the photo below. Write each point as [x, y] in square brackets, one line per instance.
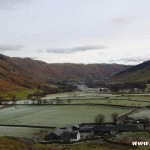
[56, 116]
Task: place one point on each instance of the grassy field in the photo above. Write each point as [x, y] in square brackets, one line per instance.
[141, 113]
[94, 97]
[135, 97]
[57, 116]
[90, 97]
[95, 93]
[20, 144]
[19, 94]
[136, 136]
[107, 101]
[19, 131]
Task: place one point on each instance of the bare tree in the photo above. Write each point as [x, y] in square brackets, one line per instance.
[99, 119]
[1, 100]
[58, 100]
[129, 98]
[5, 102]
[33, 99]
[44, 101]
[14, 100]
[39, 100]
[69, 101]
[145, 122]
[114, 117]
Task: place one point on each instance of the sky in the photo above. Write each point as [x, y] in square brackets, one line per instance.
[76, 31]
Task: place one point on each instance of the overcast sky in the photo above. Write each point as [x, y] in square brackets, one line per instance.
[76, 31]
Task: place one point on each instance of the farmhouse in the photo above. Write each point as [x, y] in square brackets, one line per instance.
[147, 127]
[104, 90]
[86, 131]
[79, 132]
[55, 134]
[105, 129]
[74, 136]
[127, 127]
[70, 134]
[75, 127]
[81, 87]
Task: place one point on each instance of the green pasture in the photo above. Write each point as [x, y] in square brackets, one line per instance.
[107, 102]
[134, 97]
[84, 97]
[19, 94]
[141, 113]
[19, 131]
[133, 136]
[56, 116]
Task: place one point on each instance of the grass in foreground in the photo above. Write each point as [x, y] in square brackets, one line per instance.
[136, 136]
[23, 144]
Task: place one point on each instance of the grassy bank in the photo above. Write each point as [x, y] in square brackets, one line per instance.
[22, 94]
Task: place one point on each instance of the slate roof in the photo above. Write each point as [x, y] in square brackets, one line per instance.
[105, 128]
[75, 127]
[127, 127]
[58, 131]
[86, 129]
[68, 129]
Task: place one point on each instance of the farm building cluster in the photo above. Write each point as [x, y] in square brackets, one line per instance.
[89, 131]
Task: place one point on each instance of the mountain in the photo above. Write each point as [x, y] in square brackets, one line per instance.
[44, 72]
[28, 73]
[10, 76]
[136, 73]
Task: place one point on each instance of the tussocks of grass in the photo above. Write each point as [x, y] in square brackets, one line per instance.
[136, 136]
[8, 143]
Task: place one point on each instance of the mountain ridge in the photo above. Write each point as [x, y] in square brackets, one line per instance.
[137, 73]
[29, 73]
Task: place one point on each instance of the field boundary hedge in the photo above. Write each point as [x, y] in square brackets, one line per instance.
[109, 105]
[131, 112]
[25, 126]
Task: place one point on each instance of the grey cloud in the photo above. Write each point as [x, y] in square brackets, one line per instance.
[10, 47]
[40, 51]
[7, 4]
[124, 20]
[132, 59]
[75, 49]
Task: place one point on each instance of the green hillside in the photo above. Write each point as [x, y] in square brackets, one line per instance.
[136, 73]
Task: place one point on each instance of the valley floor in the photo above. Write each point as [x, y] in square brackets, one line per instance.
[83, 108]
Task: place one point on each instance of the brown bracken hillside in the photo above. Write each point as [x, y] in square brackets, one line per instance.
[28, 73]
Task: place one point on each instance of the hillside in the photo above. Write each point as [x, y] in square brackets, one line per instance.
[44, 72]
[11, 78]
[28, 73]
[136, 73]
